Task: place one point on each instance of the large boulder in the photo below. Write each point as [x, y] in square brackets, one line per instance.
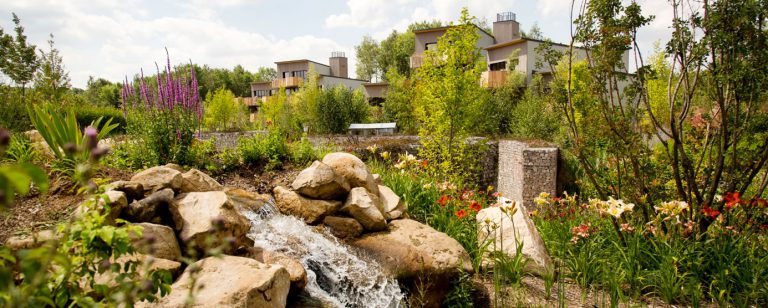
[18, 242]
[392, 205]
[246, 200]
[319, 181]
[147, 209]
[343, 227]
[311, 211]
[229, 281]
[505, 231]
[296, 271]
[353, 169]
[157, 178]
[157, 240]
[210, 214]
[132, 190]
[114, 200]
[421, 258]
[196, 180]
[410, 248]
[361, 206]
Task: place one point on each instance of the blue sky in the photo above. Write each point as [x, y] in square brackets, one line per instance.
[115, 38]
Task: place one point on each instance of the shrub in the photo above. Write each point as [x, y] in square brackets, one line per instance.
[165, 116]
[270, 149]
[223, 112]
[338, 107]
[302, 152]
[87, 114]
[20, 150]
[71, 146]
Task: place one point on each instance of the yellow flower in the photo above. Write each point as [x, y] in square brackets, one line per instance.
[373, 148]
[385, 155]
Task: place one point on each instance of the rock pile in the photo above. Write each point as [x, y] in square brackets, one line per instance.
[342, 194]
[183, 213]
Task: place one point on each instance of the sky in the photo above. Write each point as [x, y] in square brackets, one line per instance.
[113, 39]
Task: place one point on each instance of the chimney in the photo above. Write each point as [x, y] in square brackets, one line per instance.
[506, 28]
[338, 62]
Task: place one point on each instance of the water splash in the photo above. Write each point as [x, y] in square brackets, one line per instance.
[335, 275]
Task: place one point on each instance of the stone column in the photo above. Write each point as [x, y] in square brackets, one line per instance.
[525, 171]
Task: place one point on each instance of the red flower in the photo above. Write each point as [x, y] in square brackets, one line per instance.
[759, 202]
[708, 211]
[461, 213]
[475, 206]
[424, 163]
[443, 200]
[732, 200]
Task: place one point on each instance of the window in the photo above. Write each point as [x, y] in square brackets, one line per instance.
[430, 46]
[286, 74]
[498, 66]
[301, 74]
[260, 93]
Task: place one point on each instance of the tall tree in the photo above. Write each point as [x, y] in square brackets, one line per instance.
[52, 79]
[241, 81]
[367, 54]
[19, 60]
[446, 94]
[265, 74]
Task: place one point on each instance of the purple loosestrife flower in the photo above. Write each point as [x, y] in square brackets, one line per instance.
[91, 138]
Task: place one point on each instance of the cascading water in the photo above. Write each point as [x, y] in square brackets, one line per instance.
[335, 275]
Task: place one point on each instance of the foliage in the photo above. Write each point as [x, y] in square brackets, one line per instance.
[447, 93]
[102, 92]
[367, 53]
[338, 107]
[87, 114]
[71, 146]
[303, 152]
[20, 150]
[533, 116]
[18, 59]
[268, 150]
[51, 80]
[164, 116]
[18, 176]
[13, 113]
[664, 258]
[393, 53]
[223, 112]
[398, 104]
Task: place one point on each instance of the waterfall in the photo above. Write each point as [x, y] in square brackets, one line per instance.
[336, 276]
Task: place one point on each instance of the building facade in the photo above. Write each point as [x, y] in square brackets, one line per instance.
[293, 73]
[497, 47]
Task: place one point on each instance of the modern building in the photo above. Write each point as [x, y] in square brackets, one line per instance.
[497, 47]
[292, 74]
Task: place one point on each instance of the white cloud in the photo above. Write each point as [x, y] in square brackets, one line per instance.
[111, 42]
[363, 14]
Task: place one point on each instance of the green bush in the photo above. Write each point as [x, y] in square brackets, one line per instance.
[302, 152]
[338, 107]
[86, 114]
[20, 150]
[268, 150]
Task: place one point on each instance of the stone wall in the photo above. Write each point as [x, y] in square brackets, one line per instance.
[525, 171]
[227, 140]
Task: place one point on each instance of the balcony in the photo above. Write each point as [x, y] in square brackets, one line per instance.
[493, 79]
[287, 82]
[416, 60]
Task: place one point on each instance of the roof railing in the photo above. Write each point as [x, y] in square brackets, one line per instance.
[506, 16]
[338, 54]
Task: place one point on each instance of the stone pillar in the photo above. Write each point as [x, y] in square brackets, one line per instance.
[525, 171]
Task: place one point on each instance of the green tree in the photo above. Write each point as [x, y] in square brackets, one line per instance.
[52, 79]
[240, 80]
[265, 74]
[446, 94]
[534, 33]
[398, 104]
[223, 112]
[102, 92]
[304, 102]
[367, 54]
[18, 59]
[338, 107]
